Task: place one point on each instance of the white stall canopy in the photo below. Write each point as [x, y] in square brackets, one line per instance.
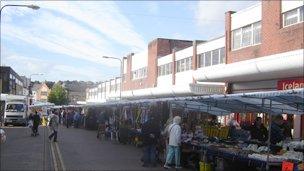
[271, 102]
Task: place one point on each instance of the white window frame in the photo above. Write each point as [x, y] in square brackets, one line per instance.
[253, 29]
[298, 17]
[241, 43]
[221, 55]
[210, 58]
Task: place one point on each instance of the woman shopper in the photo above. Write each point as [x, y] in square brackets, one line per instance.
[36, 123]
[174, 143]
[54, 122]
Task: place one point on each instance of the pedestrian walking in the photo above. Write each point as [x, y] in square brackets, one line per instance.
[54, 122]
[36, 123]
[174, 132]
[67, 116]
[30, 123]
[150, 134]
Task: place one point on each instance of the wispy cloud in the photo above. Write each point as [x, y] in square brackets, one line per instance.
[103, 16]
[53, 70]
[82, 30]
[211, 14]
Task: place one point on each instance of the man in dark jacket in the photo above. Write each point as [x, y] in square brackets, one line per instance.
[258, 130]
[277, 133]
[36, 123]
[150, 133]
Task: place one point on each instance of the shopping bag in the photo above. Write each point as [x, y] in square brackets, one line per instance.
[30, 123]
[287, 166]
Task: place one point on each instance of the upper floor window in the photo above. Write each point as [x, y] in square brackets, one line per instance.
[246, 36]
[140, 73]
[293, 16]
[44, 93]
[165, 69]
[213, 57]
[184, 64]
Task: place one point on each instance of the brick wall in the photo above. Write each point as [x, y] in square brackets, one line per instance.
[156, 48]
[274, 38]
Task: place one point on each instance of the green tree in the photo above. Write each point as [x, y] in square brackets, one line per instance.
[58, 95]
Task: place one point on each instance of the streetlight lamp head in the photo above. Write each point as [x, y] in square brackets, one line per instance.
[105, 57]
[34, 7]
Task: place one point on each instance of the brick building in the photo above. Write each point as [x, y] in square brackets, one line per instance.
[262, 49]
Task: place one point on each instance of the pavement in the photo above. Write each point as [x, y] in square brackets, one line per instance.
[78, 150]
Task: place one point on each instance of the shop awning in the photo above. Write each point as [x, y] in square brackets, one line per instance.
[271, 102]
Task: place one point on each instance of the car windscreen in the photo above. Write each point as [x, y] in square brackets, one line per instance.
[15, 108]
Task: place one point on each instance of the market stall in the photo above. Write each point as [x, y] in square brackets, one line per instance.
[218, 148]
[213, 142]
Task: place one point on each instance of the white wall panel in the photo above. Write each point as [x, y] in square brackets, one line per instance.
[246, 16]
[211, 45]
[164, 81]
[183, 78]
[139, 60]
[185, 53]
[289, 5]
[165, 59]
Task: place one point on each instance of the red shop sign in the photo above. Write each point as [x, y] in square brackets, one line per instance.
[290, 84]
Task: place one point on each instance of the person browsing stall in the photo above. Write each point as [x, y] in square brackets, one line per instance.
[150, 133]
[258, 130]
[277, 134]
[174, 143]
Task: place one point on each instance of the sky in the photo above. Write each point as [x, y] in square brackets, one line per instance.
[65, 40]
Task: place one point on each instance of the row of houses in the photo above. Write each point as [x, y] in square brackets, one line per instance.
[262, 49]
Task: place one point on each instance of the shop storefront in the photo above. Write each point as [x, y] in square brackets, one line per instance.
[298, 121]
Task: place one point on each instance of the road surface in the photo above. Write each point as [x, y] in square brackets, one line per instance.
[76, 149]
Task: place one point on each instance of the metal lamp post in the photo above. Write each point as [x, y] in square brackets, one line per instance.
[121, 72]
[34, 7]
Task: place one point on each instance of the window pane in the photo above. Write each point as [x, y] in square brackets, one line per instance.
[159, 70]
[182, 68]
[291, 17]
[215, 57]
[236, 39]
[208, 58]
[167, 69]
[257, 33]
[201, 60]
[222, 55]
[187, 64]
[246, 35]
[177, 66]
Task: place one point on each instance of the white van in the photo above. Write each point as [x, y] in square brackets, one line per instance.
[15, 110]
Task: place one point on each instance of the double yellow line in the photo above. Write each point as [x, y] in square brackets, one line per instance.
[56, 156]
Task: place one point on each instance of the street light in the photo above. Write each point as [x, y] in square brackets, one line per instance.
[34, 7]
[121, 71]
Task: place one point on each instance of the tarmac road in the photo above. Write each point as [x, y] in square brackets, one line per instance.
[21, 151]
[76, 150]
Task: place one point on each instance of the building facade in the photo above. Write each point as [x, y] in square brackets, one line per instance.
[10, 81]
[40, 92]
[262, 49]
